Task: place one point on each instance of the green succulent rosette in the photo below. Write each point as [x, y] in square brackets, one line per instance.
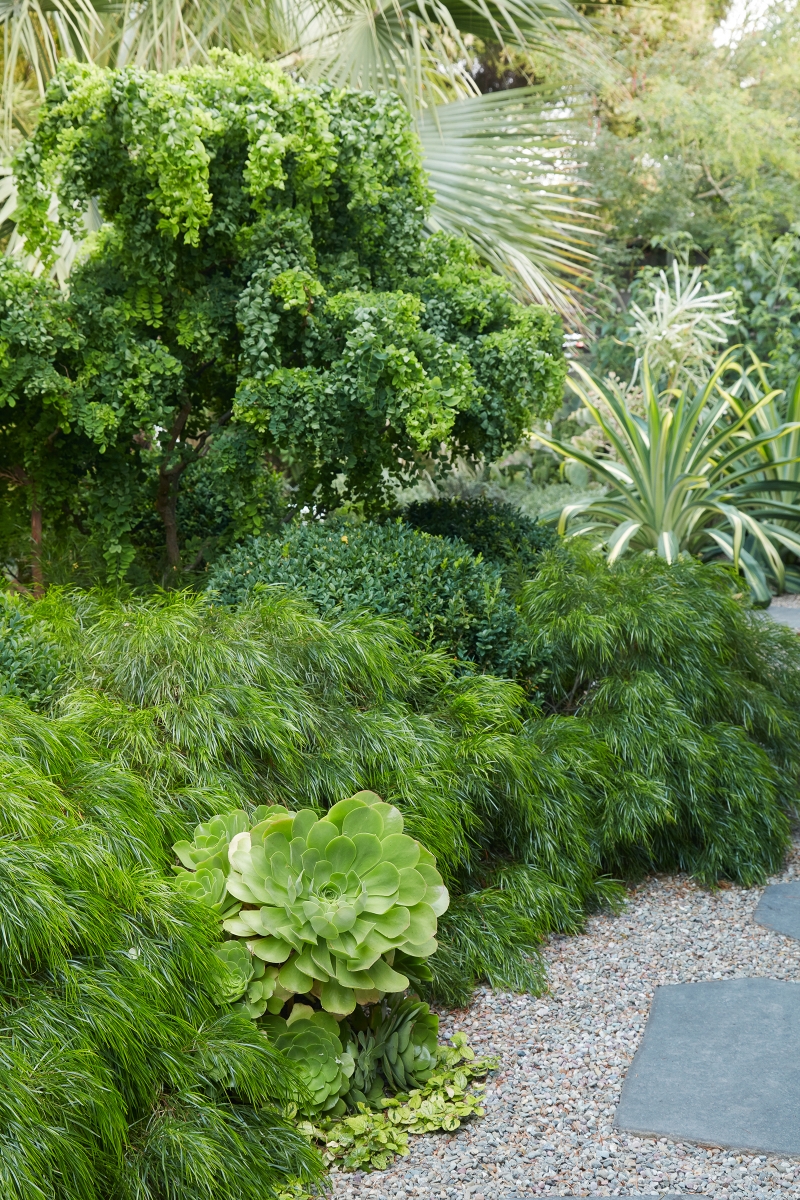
[211, 841]
[366, 1085]
[311, 1041]
[407, 1037]
[248, 982]
[330, 900]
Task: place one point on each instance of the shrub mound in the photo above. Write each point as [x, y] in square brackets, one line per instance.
[122, 1073]
[449, 599]
[499, 532]
[687, 687]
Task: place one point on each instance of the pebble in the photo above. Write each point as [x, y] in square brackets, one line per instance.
[548, 1128]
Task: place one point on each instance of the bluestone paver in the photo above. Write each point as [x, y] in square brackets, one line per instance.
[779, 909]
[786, 614]
[719, 1064]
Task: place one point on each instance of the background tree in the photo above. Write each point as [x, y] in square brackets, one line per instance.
[261, 262]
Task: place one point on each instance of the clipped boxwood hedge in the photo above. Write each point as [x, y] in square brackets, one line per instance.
[499, 532]
[450, 598]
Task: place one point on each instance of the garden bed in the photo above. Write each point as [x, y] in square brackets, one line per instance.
[548, 1128]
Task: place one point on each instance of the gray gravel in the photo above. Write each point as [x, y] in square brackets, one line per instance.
[548, 1128]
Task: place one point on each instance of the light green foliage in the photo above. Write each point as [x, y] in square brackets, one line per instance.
[370, 1140]
[260, 286]
[696, 156]
[122, 1073]
[681, 331]
[310, 1040]
[248, 981]
[776, 505]
[408, 1041]
[330, 899]
[682, 477]
[449, 599]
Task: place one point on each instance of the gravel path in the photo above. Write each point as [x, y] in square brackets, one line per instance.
[549, 1111]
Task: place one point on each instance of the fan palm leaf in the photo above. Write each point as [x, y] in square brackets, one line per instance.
[503, 170]
[516, 145]
[679, 476]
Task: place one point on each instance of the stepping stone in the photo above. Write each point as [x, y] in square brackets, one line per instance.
[719, 1064]
[779, 909]
[785, 614]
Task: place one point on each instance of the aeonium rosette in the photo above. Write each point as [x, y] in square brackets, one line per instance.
[332, 899]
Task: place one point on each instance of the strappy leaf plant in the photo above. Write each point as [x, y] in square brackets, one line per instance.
[677, 476]
[774, 491]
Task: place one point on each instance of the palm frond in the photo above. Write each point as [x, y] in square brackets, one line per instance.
[504, 170]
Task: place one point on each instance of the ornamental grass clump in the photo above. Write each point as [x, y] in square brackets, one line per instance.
[331, 899]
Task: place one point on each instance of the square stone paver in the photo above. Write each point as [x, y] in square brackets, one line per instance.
[785, 614]
[719, 1064]
[779, 909]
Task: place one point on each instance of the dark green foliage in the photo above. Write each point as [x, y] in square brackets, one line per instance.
[448, 598]
[690, 690]
[228, 495]
[122, 1074]
[498, 532]
[29, 660]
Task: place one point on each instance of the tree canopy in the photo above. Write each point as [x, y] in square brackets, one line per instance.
[261, 263]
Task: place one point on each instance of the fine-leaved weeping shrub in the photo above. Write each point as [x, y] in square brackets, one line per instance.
[220, 709]
[666, 737]
[685, 685]
[124, 1074]
[499, 532]
[447, 597]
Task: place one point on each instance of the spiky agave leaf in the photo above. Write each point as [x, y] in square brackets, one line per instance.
[679, 476]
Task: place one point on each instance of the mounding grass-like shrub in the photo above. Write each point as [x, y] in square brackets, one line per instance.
[124, 1073]
[447, 596]
[499, 532]
[690, 688]
[665, 734]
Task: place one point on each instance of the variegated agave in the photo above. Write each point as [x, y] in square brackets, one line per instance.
[329, 899]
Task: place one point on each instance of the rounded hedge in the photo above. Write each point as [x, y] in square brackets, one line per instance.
[499, 532]
[450, 598]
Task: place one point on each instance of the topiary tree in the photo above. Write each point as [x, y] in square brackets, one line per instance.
[261, 262]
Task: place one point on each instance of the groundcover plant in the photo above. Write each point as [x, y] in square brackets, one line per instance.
[664, 732]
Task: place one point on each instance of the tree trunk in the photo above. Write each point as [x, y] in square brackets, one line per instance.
[167, 505]
[167, 497]
[36, 550]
